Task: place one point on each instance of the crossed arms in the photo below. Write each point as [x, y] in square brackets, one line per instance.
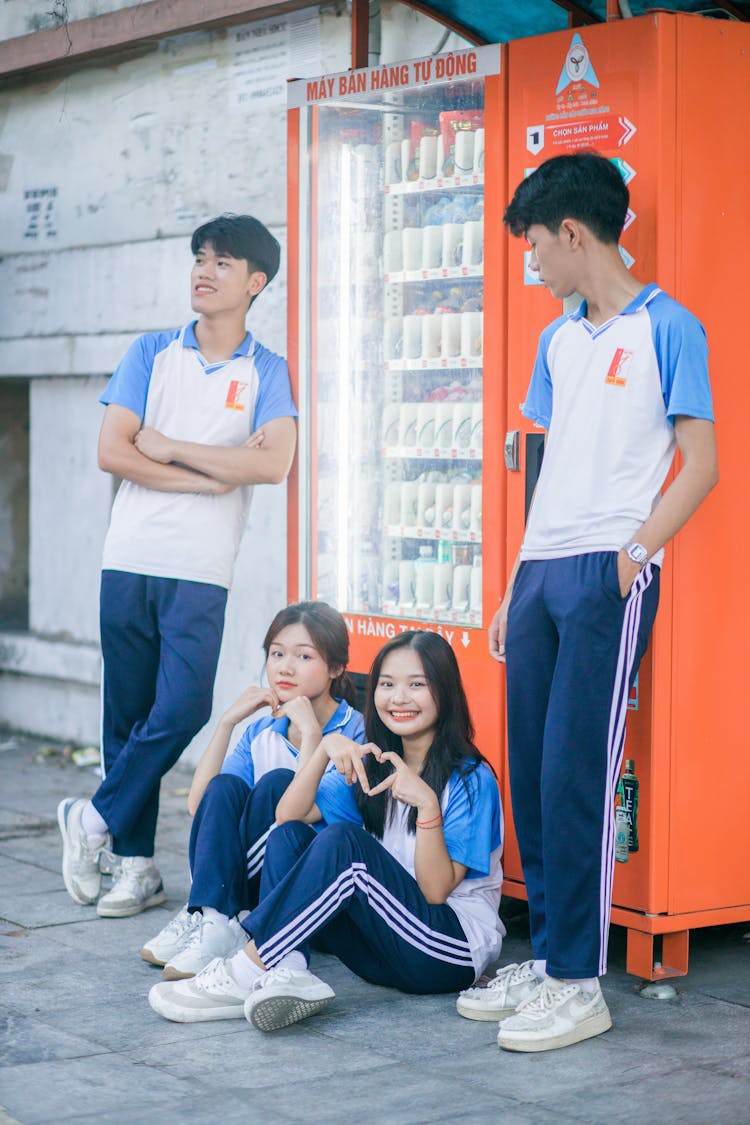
[153, 460]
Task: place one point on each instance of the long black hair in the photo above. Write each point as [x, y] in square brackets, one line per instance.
[328, 633]
[453, 744]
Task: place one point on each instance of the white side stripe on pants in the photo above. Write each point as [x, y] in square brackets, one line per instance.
[257, 853]
[407, 925]
[615, 743]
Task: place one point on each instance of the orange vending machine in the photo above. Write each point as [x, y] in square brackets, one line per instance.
[667, 98]
[397, 500]
[413, 325]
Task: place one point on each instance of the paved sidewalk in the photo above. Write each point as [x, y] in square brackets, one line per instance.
[80, 1044]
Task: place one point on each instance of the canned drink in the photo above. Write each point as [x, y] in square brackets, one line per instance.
[622, 835]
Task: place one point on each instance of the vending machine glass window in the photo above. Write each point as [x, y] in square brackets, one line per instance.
[393, 351]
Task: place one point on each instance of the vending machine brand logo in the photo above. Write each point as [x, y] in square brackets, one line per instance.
[616, 376]
[235, 392]
[577, 67]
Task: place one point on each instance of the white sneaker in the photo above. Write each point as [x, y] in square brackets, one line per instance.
[169, 941]
[557, 1015]
[80, 862]
[284, 996]
[211, 995]
[510, 987]
[134, 890]
[208, 939]
[109, 863]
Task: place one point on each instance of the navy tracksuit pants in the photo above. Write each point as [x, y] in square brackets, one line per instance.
[228, 840]
[573, 646]
[160, 643]
[342, 891]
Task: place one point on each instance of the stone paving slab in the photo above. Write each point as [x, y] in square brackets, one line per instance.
[79, 1043]
[92, 1084]
[24, 1039]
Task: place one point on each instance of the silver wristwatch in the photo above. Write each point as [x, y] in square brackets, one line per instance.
[637, 552]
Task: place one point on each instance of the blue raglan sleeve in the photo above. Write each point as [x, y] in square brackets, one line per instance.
[682, 354]
[335, 799]
[240, 761]
[538, 403]
[274, 398]
[130, 380]
[472, 821]
[354, 727]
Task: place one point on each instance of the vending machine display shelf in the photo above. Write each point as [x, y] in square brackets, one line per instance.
[447, 363]
[432, 534]
[416, 453]
[439, 183]
[439, 273]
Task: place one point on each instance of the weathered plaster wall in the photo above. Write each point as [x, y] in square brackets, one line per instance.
[20, 17]
[104, 173]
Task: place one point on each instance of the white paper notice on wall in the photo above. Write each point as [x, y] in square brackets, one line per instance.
[265, 53]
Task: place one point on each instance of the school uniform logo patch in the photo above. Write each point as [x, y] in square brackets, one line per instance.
[235, 394]
[617, 374]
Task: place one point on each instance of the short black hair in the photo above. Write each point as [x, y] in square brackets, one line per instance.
[241, 236]
[583, 186]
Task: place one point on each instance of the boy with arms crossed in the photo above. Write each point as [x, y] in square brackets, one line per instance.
[194, 418]
[617, 384]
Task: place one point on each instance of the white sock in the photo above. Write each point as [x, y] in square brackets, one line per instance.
[294, 960]
[540, 968]
[244, 971]
[91, 822]
[586, 984]
[215, 915]
[139, 862]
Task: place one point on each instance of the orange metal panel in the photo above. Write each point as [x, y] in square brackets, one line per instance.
[671, 923]
[486, 689]
[312, 466]
[711, 766]
[292, 320]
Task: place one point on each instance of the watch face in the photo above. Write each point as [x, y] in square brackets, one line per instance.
[638, 553]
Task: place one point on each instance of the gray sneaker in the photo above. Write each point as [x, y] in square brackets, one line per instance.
[80, 862]
[558, 1014]
[135, 889]
[509, 987]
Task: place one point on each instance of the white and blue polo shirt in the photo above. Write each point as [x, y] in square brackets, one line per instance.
[473, 831]
[608, 397]
[264, 745]
[164, 379]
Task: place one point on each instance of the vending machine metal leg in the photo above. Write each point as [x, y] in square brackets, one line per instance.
[674, 955]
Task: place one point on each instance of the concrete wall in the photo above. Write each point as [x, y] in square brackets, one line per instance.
[104, 173]
[21, 17]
